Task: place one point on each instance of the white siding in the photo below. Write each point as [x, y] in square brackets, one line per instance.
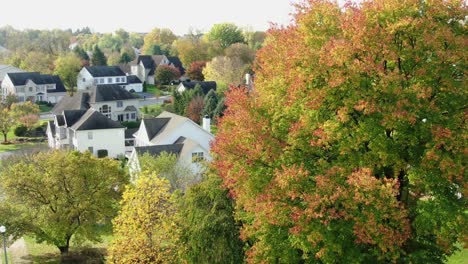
[113, 140]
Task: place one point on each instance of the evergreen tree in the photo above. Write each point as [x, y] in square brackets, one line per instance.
[210, 102]
[98, 57]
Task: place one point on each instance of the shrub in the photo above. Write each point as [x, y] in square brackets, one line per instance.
[20, 131]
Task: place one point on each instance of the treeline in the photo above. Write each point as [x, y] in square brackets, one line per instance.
[227, 50]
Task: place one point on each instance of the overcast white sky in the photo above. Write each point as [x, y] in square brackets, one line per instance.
[143, 15]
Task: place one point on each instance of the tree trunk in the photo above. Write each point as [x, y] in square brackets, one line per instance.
[5, 137]
[64, 249]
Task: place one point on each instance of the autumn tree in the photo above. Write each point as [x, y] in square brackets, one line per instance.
[166, 73]
[25, 114]
[195, 109]
[226, 34]
[190, 50]
[240, 51]
[353, 145]
[162, 38]
[195, 70]
[67, 68]
[144, 230]
[7, 121]
[225, 71]
[62, 195]
[208, 232]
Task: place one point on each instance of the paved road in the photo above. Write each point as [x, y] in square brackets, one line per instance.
[153, 101]
[25, 150]
[19, 252]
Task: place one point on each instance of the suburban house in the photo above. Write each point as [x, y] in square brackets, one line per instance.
[111, 100]
[144, 66]
[175, 61]
[205, 86]
[87, 130]
[91, 76]
[4, 69]
[33, 86]
[175, 134]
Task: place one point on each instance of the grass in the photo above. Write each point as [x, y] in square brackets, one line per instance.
[2, 256]
[84, 253]
[461, 257]
[45, 108]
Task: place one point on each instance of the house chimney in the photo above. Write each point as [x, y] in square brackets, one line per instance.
[207, 123]
[248, 80]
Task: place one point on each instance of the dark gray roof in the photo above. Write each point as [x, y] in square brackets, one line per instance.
[133, 79]
[72, 116]
[158, 149]
[206, 86]
[93, 119]
[177, 63]
[130, 108]
[59, 87]
[147, 61]
[154, 125]
[60, 120]
[180, 140]
[104, 71]
[79, 101]
[109, 92]
[129, 132]
[20, 78]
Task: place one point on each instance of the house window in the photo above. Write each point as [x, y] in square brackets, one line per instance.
[133, 116]
[101, 80]
[197, 157]
[120, 118]
[95, 81]
[117, 80]
[90, 135]
[109, 80]
[30, 89]
[127, 116]
[90, 149]
[119, 104]
[84, 79]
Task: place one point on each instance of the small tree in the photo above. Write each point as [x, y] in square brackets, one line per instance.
[210, 103]
[195, 70]
[166, 73]
[195, 109]
[98, 57]
[143, 230]
[7, 121]
[68, 67]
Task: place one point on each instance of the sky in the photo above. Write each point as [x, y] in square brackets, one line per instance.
[143, 15]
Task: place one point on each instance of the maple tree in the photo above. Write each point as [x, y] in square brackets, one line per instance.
[195, 71]
[353, 144]
[195, 109]
[166, 73]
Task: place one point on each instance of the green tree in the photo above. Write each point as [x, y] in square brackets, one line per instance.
[136, 40]
[98, 57]
[82, 55]
[163, 38]
[166, 73]
[353, 146]
[13, 114]
[240, 51]
[225, 71]
[60, 195]
[226, 34]
[67, 68]
[7, 121]
[208, 232]
[210, 102]
[127, 55]
[144, 230]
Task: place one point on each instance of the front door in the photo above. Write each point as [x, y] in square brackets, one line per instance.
[120, 118]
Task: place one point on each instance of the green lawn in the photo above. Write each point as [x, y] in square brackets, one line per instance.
[45, 108]
[461, 257]
[85, 253]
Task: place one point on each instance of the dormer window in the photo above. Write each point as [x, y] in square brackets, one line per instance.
[109, 80]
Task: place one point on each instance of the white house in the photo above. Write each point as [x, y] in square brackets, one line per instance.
[33, 86]
[4, 69]
[91, 76]
[109, 99]
[87, 130]
[173, 134]
[144, 66]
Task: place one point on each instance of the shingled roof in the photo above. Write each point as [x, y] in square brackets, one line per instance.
[93, 119]
[72, 116]
[177, 63]
[206, 86]
[20, 78]
[154, 125]
[109, 92]
[104, 71]
[158, 149]
[133, 79]
[79, 101]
